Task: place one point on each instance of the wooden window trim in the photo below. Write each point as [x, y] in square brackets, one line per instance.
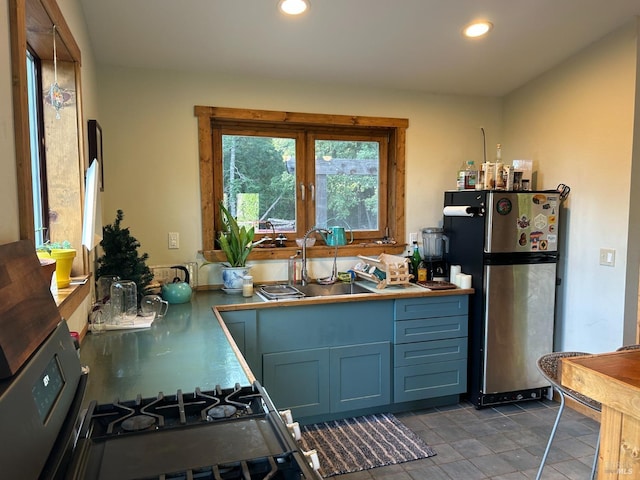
[211, 188]
[31, 23]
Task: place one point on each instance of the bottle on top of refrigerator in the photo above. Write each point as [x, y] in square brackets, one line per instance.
[480, 178]
[467, 176]
[499, 183]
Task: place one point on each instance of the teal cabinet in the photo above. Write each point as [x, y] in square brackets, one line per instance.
[326, 360]
[321, 381]
[242, 325]
[298, 380]
[430, 347]
[360, 376]
[329, 358]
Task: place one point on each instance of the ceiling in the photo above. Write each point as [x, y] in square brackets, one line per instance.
[402, 44]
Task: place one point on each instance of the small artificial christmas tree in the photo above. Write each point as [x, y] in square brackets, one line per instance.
[121, 256]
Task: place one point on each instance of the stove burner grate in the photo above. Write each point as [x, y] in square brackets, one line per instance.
[167, 411]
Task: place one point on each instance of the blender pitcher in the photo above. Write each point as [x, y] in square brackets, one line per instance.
[435, 244]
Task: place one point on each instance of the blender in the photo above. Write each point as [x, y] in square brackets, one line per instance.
[435, 244]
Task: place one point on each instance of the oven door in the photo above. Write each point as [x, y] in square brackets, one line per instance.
[39, 409]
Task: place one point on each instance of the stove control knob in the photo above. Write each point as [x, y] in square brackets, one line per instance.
[286, 416]
[312, 459]
[294, 430]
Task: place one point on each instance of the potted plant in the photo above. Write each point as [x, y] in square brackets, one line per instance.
[121, 257]
[63, 253]
[236, 242]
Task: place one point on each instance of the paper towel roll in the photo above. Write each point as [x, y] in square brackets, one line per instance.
[460, 211]
[454, 270]
[465, 281]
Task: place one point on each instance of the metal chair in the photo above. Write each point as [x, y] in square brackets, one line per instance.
[548, 366]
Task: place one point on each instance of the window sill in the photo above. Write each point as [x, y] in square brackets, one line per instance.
[69, 299]
[317, 251]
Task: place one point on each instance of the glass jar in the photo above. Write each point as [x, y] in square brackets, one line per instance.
[124, 302]
[247, 286]
[103, 289]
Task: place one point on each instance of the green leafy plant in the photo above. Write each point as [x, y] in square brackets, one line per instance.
[235, 241]
[48, 246]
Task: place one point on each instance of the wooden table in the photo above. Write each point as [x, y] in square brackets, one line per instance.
[613, 379]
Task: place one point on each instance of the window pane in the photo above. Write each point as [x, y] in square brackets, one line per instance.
[347, 183]
[34, 144]
[259, 181]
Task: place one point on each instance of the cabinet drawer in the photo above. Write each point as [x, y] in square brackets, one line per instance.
[431, 380]
[430, 352]
[426, 329]
[408, 308]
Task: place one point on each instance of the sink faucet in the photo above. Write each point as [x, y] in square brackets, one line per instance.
[304, 274]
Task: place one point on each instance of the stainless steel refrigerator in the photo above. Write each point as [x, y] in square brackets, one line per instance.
[508, 242]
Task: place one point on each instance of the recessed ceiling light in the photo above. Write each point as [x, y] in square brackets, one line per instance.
[477, 29]
[293, 7]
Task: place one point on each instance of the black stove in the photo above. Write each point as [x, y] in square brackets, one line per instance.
[222, 434]
[232, 433]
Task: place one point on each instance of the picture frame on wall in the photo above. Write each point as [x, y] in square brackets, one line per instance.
[95, 148]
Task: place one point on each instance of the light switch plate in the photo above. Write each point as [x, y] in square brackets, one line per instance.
[413, 237]
[608, 257]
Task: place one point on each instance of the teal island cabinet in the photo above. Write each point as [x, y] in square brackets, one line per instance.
[332, 360]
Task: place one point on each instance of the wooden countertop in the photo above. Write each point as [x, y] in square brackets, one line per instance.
[389, 293]
[613, 379]
[610, 378]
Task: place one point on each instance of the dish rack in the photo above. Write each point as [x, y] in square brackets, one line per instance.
[393, 269]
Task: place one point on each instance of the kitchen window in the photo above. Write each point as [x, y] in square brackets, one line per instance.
[36, 140]
[50, 181]
[284, 173]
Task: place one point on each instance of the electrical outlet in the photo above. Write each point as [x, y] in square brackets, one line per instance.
[608, 257]
[174, 240]
[163, 273]
[413, 237]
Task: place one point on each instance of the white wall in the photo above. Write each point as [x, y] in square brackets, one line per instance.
[151, 149]
[9, 226]
[576, 122]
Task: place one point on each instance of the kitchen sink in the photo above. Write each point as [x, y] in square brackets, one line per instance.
[339, 288]
[285, 292]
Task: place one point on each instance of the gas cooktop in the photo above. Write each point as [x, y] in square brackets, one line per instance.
[219, 434]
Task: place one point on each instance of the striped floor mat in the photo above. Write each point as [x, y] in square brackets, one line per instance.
[361, 443]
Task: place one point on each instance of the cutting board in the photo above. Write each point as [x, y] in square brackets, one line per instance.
[28, 312]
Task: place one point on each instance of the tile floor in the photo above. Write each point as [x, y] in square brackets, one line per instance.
[500, 443]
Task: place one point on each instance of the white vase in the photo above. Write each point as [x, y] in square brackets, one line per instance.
[232, 278]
